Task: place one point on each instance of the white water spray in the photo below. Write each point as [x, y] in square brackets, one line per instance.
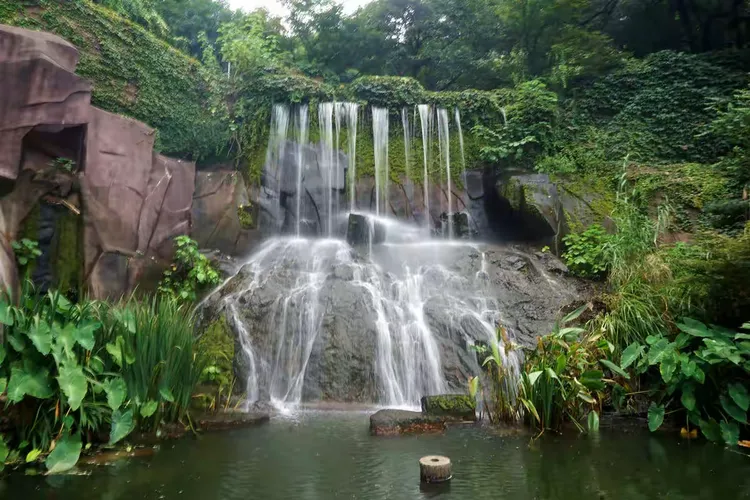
[380, 141]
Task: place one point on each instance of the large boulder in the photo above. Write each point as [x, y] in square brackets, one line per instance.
[396, 422]
[456, 406]
[135, 202]
[38, 88]
[320, 320]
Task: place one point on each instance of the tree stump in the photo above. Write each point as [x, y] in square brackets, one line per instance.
[434, 469]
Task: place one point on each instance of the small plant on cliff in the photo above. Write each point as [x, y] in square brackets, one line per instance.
[190, 273]
[585, 252]
[26, 252]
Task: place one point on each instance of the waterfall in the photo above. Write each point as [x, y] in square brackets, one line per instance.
[407, 153]
[445, 156]
[457, 115]
[277, 140]
[325, 125]
[425, 118]
[338, 113]
[302, 140]
[352, 113]
[380, 141]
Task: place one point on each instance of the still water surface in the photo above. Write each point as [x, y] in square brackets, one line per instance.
[329, 455]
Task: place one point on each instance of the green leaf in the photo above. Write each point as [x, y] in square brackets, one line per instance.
[3, 452]
[16, 342]
[658, 351]
[742, 336]
[688, 397]
[6, 314]
[116, 391]
[2, 354]
[65, 455]
[33, 455]
[655, 416]
[694, 328]
[73, 384]
[473, 387]
[739, 394]
[615, 369]
[573, 315]
[149, 408]
[631, 354]
[28, 381]
[534, 376]
[122, 425]
[3, 384]
[84, 334]
[592, 379]
[711, 430]
[730, 433]
[733, 410]
[586, 397]
[115, 350]
[40, 335]
[667, 367]
[593, 421]
[166, 393]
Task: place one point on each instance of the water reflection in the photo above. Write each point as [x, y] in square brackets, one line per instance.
[328, 455]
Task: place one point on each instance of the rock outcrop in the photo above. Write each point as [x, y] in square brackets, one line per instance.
[134, 201]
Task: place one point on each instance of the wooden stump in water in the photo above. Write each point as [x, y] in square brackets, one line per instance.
[434, 469]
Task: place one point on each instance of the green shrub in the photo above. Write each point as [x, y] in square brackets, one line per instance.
[191, 272]
[585, 252]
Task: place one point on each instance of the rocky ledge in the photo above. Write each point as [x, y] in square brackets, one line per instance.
[437, 413]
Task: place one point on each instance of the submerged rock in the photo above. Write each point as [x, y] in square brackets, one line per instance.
[458, 406]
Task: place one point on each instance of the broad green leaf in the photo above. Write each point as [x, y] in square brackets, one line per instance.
[149, 408]
[473, 387]
[96, 364]
[64, 338]
[667, 367]
[3, 384]
[6, 314]
[730, 433]
[655, 416]
[742, 336]
[739, 394]
[115, 350]
[694, 328]
[116, 392]
[658, 351]
[592, 379]
[699, 375]
[166, 394]
[84, 334]
[2, 354]
[65, 455]
[615, 369]
[688, 397]
[573, 315]
[630, 354]
[534, 376]
[733, 410]
[3, 452]
[40, 335]
[33, 455]
[711, 430]
[73, 384]
[653, 339]
[122, 425]
[28, 381]
[16, 342]
[593, 421]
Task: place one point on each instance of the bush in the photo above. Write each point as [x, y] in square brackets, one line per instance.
[585, 252]
[191, 272]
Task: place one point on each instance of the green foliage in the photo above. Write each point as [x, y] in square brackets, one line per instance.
[26, 251]
[731, 126]
[389, 91]
[562, 380]
[141, 11]
[585, 252]
[136, 74]
[528, 133]
[500, 371]
[706, 367]
[190, 273]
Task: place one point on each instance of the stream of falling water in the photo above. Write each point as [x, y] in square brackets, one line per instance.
[445, 155]
[407, 154]
[352, 114]
[303, 134]
[425, 119]
[380, 142]
[325, 126]
[457, 115]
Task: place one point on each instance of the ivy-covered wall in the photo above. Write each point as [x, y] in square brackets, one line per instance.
[133, 73]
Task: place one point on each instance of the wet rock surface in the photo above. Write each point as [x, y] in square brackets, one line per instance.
[396, 422]
[458, 406]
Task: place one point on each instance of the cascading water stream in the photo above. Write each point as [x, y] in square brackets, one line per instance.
[457, 115]
[407, 153]
[425, 119]
[277, 140]
[380, 141]
[445, 156]
[325, 125]
[352, 113]
[302, 140]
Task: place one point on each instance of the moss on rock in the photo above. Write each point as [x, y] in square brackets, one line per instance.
[460, 406]
[216, 346]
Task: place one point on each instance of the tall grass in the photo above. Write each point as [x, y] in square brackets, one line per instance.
[155, 337]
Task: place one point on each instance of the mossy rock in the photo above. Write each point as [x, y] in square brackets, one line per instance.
[458, 406]
[216, 345]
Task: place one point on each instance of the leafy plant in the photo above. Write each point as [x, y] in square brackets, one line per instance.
[706, 369]
[26, 251]
[190, 273]
[585, 252]
[563, 380]
[501, 370]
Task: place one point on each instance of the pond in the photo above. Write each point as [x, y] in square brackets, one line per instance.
[319, 455]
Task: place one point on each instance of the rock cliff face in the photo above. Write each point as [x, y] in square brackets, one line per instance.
[131, 199]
